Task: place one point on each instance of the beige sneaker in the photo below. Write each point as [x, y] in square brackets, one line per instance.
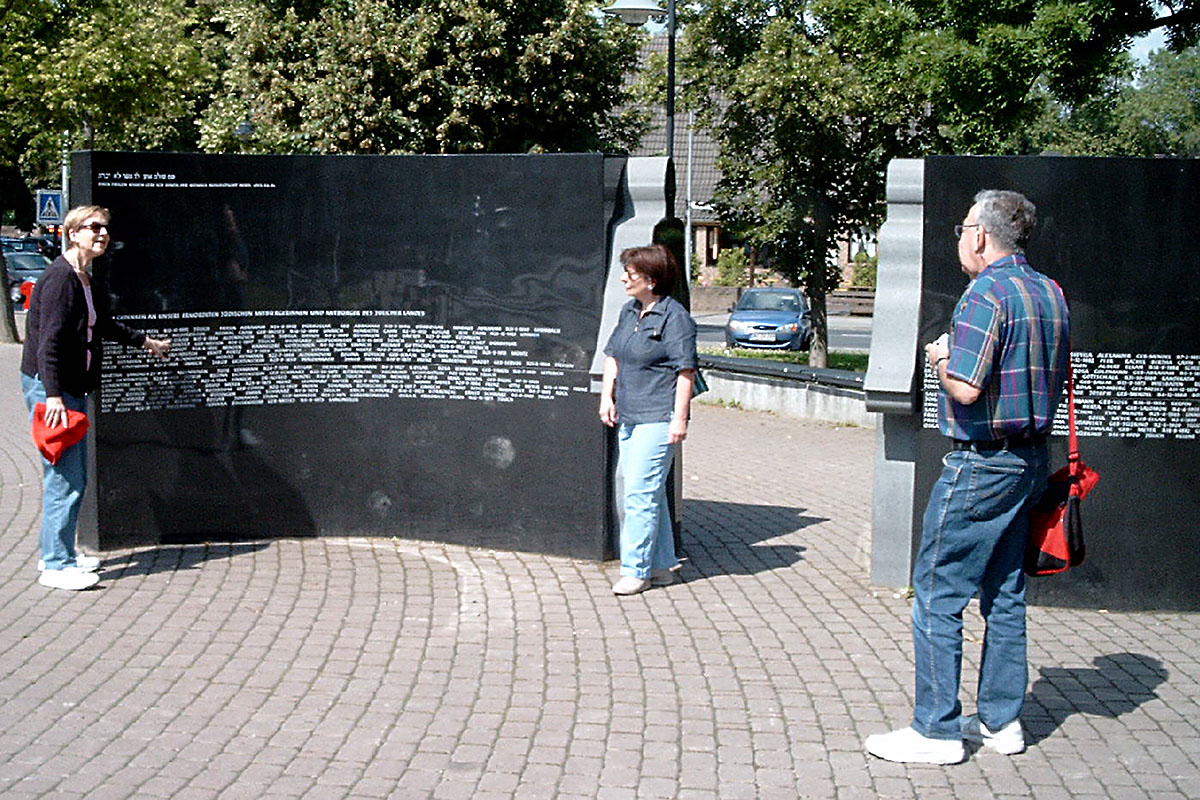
[662, 577]
[630, 585]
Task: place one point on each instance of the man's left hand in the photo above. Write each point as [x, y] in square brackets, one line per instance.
[937, 349]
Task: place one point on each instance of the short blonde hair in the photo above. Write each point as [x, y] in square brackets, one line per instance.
[76, 216]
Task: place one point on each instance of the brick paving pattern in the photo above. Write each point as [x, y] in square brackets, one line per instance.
[355, 668]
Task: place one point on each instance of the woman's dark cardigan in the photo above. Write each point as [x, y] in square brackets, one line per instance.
[56, 343]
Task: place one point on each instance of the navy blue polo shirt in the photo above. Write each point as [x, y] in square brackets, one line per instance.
[650, 352]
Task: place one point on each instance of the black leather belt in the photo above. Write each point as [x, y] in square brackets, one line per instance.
[992, 445]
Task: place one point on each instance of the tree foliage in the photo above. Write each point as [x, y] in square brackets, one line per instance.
[810, 99]
[436, 77]
[1151, 110]
[120, 74]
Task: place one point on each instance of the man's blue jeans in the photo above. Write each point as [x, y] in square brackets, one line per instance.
[974, 537]
[62, 484]
[647, 538]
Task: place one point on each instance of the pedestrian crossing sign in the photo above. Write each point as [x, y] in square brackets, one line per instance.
[49, 207]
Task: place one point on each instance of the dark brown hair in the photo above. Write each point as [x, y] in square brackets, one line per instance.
[656, 263]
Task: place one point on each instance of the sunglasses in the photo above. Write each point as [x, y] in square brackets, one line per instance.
[94, 227]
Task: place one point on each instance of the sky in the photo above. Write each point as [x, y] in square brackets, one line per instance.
[1144, 44]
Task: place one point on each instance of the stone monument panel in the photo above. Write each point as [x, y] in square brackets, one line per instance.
[1113, 233]
[361, 346]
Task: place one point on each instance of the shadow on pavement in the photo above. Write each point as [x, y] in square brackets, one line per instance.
[1118, 685]
[723, 538]
[175, 558]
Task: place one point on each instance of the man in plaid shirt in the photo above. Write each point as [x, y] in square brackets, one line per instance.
[1001, 374]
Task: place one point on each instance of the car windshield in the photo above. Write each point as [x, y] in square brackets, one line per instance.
[769, 301]
[26, 262]
[20, 246]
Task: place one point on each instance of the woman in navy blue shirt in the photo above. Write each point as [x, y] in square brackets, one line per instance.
[648, 376]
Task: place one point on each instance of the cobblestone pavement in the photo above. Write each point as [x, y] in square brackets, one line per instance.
[380, 668]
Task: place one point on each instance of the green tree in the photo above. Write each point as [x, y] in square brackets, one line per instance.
[120, 74]
[1147, 110]
[450, 76]
[809, 100]
[22, 27]
[1162, 115]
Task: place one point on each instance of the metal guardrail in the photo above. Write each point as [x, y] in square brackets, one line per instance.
[775, 369]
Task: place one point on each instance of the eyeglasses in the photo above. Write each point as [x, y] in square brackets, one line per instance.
[958, 229]
[94, 227]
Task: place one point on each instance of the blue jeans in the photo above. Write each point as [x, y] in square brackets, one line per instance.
[647, 538]
[62, 484]
[975, 532]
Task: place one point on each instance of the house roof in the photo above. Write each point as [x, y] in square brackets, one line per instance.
[695, 149]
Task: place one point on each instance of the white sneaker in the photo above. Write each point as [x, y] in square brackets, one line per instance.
[70, 579]
[630, 585]
[662, 577]
[82, 563]
[909, 747]
[1009, 740]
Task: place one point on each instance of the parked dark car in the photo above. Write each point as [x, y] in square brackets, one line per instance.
[22, 266]
[24, 244]
[774, 318]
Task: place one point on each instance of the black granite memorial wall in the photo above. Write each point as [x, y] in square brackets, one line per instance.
[1116, 235]
[361, 346]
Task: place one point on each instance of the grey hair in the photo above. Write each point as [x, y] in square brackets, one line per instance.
[1008, 216]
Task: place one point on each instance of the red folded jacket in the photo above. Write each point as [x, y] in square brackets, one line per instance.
[53, 442]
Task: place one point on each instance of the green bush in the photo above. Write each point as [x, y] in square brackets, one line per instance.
[863, 271]
[731, 267]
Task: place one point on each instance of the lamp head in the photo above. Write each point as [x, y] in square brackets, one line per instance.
[635, 12]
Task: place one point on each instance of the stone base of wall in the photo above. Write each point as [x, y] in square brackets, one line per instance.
[789, 398]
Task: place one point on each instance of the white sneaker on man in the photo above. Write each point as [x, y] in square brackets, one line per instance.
[72, 580]
[909, 747]
[1009, 740]
[83, 563]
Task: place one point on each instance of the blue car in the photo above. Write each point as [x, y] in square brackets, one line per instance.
[774, 318]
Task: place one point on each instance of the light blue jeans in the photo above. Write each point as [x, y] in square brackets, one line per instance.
[62, 484]
[647, 538]
[975, 532]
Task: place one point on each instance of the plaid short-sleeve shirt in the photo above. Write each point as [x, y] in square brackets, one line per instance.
[1010, 338]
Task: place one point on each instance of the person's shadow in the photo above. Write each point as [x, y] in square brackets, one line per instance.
[723, 538]
[176, 558]
[1119, 684]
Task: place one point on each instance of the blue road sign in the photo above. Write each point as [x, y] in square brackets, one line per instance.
[49, 207]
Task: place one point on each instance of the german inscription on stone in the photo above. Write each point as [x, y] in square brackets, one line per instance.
[1122, 395]
[276, 357]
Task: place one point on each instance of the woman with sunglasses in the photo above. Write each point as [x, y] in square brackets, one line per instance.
[60, 365]
[647, 392]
